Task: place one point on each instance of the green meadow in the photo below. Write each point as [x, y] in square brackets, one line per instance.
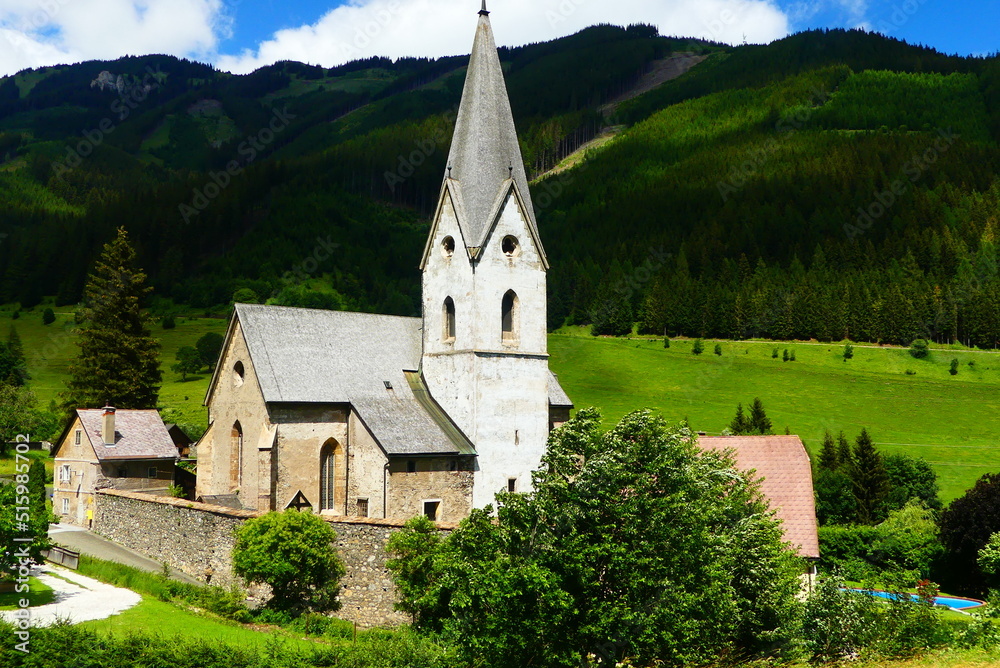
[951, 421]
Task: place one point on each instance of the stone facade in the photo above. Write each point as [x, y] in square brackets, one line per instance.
[79, 473]
[198, 539]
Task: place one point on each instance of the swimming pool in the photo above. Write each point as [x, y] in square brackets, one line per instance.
[953, 602]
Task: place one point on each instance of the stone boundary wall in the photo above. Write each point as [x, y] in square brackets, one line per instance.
[198, 539]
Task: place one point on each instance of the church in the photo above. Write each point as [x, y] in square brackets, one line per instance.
[364, 415]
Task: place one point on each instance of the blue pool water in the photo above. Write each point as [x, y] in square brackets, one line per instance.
[953, 602]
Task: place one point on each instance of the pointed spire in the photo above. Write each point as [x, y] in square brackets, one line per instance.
[485, 153]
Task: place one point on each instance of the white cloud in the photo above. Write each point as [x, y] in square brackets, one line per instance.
[34, 33]
[45, 32]
[395, 28]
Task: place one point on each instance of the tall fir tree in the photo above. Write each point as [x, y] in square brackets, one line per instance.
[13, 366]
[869, 479]
[828, 457]
[119, 358]
[740, 425]
[844, 456]
[759, 422]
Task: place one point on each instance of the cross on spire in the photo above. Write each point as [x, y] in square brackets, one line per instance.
[484, 11]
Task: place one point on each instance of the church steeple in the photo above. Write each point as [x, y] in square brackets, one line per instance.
[485, 155]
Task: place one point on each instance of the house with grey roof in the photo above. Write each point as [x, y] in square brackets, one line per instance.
[108, 448]
[358, 414]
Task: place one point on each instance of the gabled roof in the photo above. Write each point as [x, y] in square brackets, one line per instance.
[782, 464]
[139, 434]
[484, 149]
[313, 356]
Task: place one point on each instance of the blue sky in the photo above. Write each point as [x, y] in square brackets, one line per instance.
[241, 35]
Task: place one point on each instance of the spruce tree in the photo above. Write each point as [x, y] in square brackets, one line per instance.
[119, 358]
[759, 422]
[828, 458]
[844, 456]
[869, 479]
[13, 367]
[740, 424]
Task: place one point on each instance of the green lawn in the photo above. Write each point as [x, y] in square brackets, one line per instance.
[8, 463]
[167, 619]
[39, 594]
[951, 421]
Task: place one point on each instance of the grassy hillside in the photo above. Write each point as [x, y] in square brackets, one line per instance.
[951, 421]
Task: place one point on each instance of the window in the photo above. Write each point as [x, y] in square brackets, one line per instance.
[238, 373]
[449, 320]
[122, 472]
[362, 507]
[509, 317]
[79, 436]
[64, 473]
[511, 485]
[510, 246]
[65, 506]
[235, 455]
[448, 247]
[411, 466]
[328, 475]
[153, 473]
[431, 510]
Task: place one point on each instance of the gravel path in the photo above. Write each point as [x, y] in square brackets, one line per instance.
[81, 600]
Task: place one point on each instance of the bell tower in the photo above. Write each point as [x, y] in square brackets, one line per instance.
[485, 356]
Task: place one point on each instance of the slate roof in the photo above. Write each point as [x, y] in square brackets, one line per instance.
[485, 145]
[139, 434]
[314, 356]
[783, 465]
[558, 396]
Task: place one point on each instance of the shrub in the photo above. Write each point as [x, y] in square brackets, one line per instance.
[718, 349]
[245, 296]
[791, 356]
[666, 342]
[774, 354]
[919, 349]
[48, 317]
[292, 552]
[699, 347]
[168, 322]
[784, 355]
[848, 351]
[954, 367]
[837, 624]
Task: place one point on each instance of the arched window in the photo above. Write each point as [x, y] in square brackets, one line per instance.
[332, 476]
[238, 373]
[449, 320]
[509, 317]
[327, 476]
[235, 456]
[448, 246]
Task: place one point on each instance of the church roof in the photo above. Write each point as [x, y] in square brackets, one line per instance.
[783, 466]
[484, 150]
[314, 356]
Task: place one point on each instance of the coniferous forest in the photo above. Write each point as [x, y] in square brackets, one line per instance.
[834, 184]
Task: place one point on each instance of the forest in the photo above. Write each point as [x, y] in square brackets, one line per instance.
[831, 185]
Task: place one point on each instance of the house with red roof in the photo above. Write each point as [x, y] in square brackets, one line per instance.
[785, 472]
[107, 448]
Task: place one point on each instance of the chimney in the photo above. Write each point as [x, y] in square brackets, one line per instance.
[108, 425]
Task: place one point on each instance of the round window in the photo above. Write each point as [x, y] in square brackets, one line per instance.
[510, 246]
